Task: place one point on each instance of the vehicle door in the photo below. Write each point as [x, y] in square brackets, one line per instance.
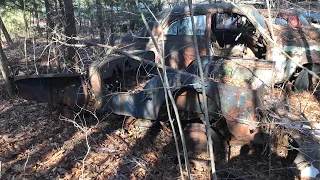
[178, 41]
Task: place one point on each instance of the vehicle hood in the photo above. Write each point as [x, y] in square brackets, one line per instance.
[301, 43]
[299, 35]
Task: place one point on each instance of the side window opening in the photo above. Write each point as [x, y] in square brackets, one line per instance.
[184, 26]
[143, 31]
[280, 21]
[173, 29]
[291, 20]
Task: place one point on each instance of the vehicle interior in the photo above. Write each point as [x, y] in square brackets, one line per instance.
[234, 35]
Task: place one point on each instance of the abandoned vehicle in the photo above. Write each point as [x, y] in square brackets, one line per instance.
[231, 45]
[224, 30]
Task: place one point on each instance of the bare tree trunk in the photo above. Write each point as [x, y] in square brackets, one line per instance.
[111, 24]
[48, 19]
[5, 70]
[26, 34]
[71, 31]
[100, 21]
[25, 20]
[79, 15]
[61, 6]
[91, 16]
[36, 16]
[5, 33]
[50, 22]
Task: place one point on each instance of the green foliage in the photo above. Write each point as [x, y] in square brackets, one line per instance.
[19, 4]
[13, 20]
[117, 14]
[11, 12]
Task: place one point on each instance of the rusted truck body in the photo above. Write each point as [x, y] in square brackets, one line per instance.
[230, 46]
[226, 30]
[125, 86]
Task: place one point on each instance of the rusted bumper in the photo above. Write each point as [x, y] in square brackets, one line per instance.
[67, 89]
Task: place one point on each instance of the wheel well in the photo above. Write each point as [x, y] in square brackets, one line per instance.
[162, 115]
[302, 80]
[187, 111]
[299, 69]
[307, 65]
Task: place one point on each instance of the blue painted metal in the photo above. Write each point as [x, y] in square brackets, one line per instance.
[238, 105]
[314, 16]
[235, 103]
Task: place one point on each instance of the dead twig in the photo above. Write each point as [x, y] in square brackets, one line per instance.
[315, 89]
[166, 98]
[205, 105]
[25, 164]
[169, 93]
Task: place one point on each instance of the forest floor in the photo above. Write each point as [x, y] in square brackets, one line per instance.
[36, 143]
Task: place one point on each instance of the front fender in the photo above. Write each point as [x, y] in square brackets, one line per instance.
[300, 54]
[238, 105]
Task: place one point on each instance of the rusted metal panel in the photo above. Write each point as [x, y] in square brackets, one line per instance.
[278, 13]
[52, 88]
[301, 43]
[179, 49]
[300, 37]
[180, 52]
[196, 141]
[100, 70]
[235, 103]
[251, 73]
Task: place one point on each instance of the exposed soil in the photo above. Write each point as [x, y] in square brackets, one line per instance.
[36, 144]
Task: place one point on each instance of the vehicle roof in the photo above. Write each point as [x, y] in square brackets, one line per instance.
[202, 9]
